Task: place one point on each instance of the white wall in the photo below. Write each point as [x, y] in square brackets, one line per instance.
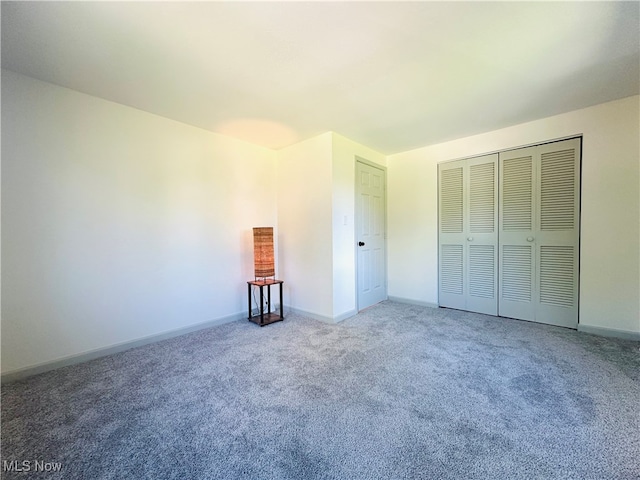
[610, 214]
[316, 207]
[344, 154]
[118, 224]
[304, 186]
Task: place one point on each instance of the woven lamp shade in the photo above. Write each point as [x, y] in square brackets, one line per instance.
[263, 252]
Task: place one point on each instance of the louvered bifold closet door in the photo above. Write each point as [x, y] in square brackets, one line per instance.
[557, 238]
[451, 237]
[481, 232]
[516, 235]
[539, 233]
[468, 244]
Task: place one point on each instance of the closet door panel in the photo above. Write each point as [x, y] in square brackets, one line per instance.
[558, 233]
[451, 237]
[517, 262]
[468, 219]
[482, 235]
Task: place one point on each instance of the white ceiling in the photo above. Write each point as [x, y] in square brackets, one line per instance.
[391, 75]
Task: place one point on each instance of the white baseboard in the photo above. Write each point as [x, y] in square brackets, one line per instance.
[609, 332]
[306, 313]
[345, 315]
[413, 302]
[21, 373]
[601, 331]
[321, 318]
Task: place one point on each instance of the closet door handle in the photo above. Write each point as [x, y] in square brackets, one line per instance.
[470, 239]
[361, 244]
[530, 239]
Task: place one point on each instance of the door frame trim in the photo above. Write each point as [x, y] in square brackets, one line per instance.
[508, 149]
[364, 161]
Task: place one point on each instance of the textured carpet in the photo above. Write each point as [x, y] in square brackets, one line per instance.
[398, 391]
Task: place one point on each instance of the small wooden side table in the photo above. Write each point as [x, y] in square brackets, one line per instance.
[263, 318]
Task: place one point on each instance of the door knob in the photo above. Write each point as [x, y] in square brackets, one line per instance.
[530, 239]
[361, 244]
[470, 239]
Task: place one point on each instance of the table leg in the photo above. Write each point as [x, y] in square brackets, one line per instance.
[269, 299]
[281, 308]
[261, 305]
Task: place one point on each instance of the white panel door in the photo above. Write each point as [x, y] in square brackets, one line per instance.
[370, 234]
[468, 240]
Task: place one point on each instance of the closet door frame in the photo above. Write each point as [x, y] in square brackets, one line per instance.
[535, 238]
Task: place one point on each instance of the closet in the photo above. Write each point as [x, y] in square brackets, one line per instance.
[509, 233]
